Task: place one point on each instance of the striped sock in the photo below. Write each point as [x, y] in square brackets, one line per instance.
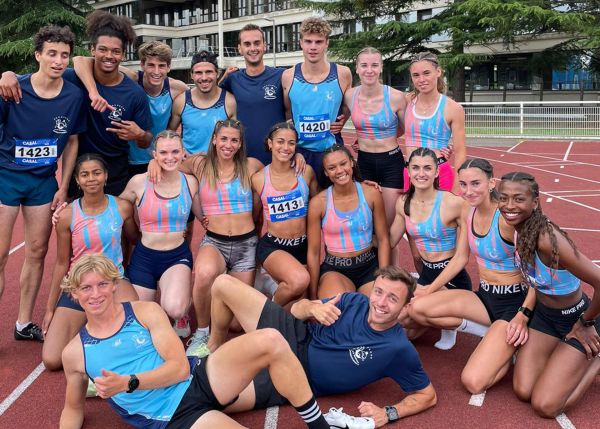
[311, 414]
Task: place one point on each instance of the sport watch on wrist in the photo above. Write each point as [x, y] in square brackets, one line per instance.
[392, 413]
[526, 312]
[586, 323]
[133, 383]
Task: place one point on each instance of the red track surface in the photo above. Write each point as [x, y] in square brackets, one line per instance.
[573, 202]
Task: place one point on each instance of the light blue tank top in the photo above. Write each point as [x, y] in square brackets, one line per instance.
[198, 124]
[314, 107]
[548, 280]
[131, 351]
[432, 235]
[160, 110]
[491, 250]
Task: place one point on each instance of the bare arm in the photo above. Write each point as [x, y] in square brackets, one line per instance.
[177, 87]
[130, 228]
[380, 226]
[325, 313]
[68, 156]
[313, 229]
[84, 69]
[10, 90]
[286, 82]
[457, 124]
[73, 411]
[398, 227]
[230, 105]
[176, 111]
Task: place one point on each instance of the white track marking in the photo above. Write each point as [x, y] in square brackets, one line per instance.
[564, 422]
[568, 151]
[581, 195]
[556, 180]
[549, 200]
[564, 191]
[477, 400]
[537, 155]
[17, 247]
[580, 229]
[515, 146]
[271, 417]
[571, 201]
[14, 395]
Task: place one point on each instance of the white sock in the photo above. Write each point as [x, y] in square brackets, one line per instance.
[447, 340]
[473, 328]
[21, 326]
[203, 331]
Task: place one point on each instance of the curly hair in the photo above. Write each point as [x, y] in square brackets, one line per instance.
[538, 223]
[315, 25]
[157, 49]
[101, 23]
[53, 34]
[421, 151]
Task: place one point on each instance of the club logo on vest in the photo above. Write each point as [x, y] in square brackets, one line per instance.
[360, 354]
[61, 123]
[117, 114]
[270, 92]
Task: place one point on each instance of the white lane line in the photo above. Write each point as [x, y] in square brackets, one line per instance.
[14, 395]
[564, 422]
[580, 229]
[271, 417]
[17, 247]
[567, 191]
[538, 155]
[572, 202]
[477, 400]
[549, 200]
[515, 146]
[568, 151]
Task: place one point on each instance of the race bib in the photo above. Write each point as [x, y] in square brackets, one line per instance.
[314, 127]
[287, 206]
[36, 151]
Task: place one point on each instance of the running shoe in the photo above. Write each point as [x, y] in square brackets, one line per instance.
[182, 327]
[338, 419]
[31, 332]
[198, 345]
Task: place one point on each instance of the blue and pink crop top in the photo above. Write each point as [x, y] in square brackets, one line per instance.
[161, 214]
[491, 250]
[432, 235]
[283, 205]
[374, 126]
[432, 131]
[228, 198]
[548, 280]
[345, 232]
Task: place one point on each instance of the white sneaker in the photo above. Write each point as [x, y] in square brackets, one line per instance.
[198, 345]
[182, 327]
[336, 418]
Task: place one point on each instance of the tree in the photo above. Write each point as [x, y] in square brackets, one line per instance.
[466, 23]
[21, 19]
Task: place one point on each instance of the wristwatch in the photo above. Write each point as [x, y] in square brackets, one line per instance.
[392, 413]
[133, 383]
[526, 312]
[586, 323]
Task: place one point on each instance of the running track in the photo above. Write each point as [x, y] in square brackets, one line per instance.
[569, 177]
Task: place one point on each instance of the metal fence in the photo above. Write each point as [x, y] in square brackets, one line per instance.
[535, 119]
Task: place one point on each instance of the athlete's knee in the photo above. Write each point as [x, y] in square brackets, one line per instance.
[205, 278]
[36, 250]
[52, 361]
[273, 341]
[522, 390]
[545, 406]
[222, 284]
[298, 283]
[472, 381]
[176, 309]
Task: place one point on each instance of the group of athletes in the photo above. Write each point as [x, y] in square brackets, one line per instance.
[273, 193]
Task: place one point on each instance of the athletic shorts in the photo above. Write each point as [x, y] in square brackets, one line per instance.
[298, 337]
[297, 247]
[315, 160]
[359, 269]
[385, 168]
[446, 175]
[433, 269]
[501, 301]
[558, 322]
[148, 265]
[197, 400]
[23, 188]
[239, 251]
[135, 169]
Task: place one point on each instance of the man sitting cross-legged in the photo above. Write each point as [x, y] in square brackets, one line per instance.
[356, 341]
[138, 363]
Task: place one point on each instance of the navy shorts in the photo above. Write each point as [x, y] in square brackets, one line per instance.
[23, 188]
[239, 251]
[501, 301]
[433, 269]
[385, 168]
[359, 269]
[315, 160]
[558, 322]
[148, 265]
[297, 247]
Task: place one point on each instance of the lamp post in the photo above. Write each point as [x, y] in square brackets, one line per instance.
[220, 59]
[266, 18]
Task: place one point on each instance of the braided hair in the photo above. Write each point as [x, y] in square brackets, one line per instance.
[537, 224]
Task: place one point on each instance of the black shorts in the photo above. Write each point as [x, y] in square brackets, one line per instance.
[433, 269]
[385, 168]
[501, 301]
[297, 247]
[558, 322]
[198, 399]
[359, 269]
[298, 337]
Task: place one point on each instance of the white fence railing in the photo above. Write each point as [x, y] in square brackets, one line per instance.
[534, 119]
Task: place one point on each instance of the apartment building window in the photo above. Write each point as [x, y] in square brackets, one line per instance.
[129, 10]
[424, 14]
[288, 37]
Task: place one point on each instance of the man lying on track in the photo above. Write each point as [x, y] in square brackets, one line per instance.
[138, 363]
[356, 341]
